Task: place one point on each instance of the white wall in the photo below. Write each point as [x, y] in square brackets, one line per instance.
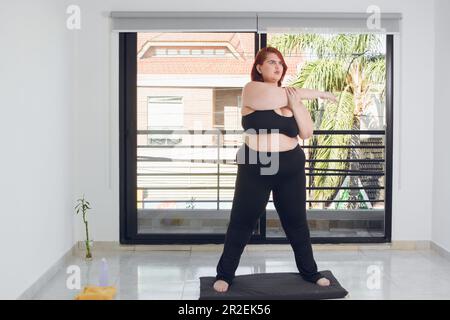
[441, 170]
[97, 109]
[36, 105]
[53, 78]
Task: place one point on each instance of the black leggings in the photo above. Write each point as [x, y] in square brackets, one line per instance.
[284, 175]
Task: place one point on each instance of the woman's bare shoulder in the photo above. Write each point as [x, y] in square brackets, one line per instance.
[254, 87]
[255, 84]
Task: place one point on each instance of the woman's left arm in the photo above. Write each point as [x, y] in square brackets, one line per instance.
[304, 120]
[301, 114]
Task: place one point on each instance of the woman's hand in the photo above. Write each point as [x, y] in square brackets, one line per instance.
[329, 96]
[293, 97]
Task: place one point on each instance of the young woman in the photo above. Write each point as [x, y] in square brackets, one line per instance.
[278, 116]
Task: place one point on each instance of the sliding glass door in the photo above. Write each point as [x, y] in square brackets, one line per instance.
[348, 158]
[188, 116]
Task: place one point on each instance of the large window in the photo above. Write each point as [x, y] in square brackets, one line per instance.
[181, 127]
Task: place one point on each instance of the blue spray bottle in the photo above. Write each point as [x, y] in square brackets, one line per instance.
[103, 279]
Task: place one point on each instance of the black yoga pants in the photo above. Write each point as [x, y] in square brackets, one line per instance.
[284, 175]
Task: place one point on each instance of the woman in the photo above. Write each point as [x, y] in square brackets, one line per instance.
[278, 116]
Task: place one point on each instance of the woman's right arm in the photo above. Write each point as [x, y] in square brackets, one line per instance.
[262, 96]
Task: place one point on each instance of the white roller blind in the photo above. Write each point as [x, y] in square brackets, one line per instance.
[271, 22]
[320, 22]
[184, 21]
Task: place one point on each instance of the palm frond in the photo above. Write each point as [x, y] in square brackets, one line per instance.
[375, 70]
[336, 117]
[322, 74]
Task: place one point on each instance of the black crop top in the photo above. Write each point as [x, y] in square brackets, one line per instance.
[269, 120]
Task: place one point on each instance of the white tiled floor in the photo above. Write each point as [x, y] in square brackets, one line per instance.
[366, 274]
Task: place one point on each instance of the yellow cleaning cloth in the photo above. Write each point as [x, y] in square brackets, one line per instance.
[97, 293]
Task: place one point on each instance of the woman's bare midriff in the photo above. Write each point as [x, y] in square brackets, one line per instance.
[274, 142]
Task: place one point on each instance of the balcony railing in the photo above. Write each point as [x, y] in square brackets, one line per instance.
[201, 176]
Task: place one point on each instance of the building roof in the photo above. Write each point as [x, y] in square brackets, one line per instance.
[239, 48]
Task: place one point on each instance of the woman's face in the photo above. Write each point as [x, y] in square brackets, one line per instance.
[272, 68]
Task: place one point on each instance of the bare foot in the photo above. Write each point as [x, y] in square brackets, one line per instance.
[220, 286]
[324, 282]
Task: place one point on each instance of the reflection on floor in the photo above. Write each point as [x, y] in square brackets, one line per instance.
[271, 232]
[365, 273]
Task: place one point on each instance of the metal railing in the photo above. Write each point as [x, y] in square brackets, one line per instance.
[219, 169]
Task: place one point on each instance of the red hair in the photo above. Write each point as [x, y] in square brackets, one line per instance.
[261, 57]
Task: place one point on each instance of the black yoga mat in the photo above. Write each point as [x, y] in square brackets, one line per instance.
[272, 286]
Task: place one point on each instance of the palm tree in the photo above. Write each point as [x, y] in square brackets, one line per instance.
[351, 66]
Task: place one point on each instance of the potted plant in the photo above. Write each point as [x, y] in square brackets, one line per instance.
[83, 206]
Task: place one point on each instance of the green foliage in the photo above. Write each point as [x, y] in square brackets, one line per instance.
[83, 206]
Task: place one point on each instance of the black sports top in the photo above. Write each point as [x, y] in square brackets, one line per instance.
[269, 120]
